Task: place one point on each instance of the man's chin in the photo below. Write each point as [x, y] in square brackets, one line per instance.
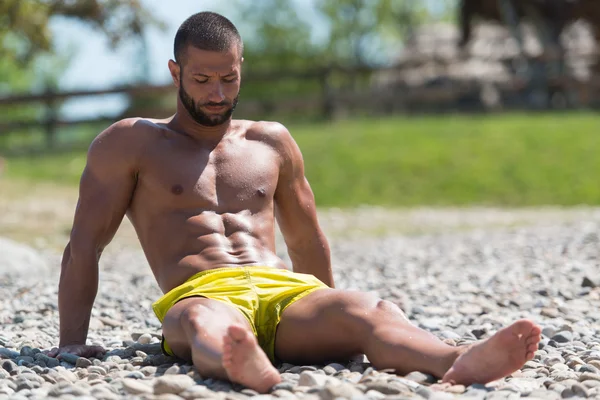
[210, 122]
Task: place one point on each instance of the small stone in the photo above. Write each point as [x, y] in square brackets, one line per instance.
[329, 370]
[343, 390]
[374, 395]
[68, 357]
[555, 359]
[550, 312]
[174, 384]
[27, 351]
[420, 377]
[301, 368]
[133, 386]
[312, 379]
[172, 370]
[590, 282]
[135, 375]
[449, 335]
[560, 376]
[588, 368]
[196, 392]
[424, 391]
[9, 365]
[144, 339]
[456, 389]
[559, 367]
[549, 331]
[25, 384]
[589, 376]
[96, 369]
[579, 390]
[83, 362]
[148, 370]
[387, 388]
[286, 385]
[590, 384]
[563, 337]
[24, 360]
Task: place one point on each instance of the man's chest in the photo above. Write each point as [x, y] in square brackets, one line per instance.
[242, 177]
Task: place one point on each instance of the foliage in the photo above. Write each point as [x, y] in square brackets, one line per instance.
[503, 160]
[24, 24]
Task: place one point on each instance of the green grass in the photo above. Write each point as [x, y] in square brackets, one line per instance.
[501, 160]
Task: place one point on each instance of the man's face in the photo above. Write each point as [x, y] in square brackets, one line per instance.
[209, 84]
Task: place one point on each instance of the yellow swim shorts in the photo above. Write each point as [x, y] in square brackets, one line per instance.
[260, 293]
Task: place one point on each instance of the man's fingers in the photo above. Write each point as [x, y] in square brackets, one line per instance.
[52, 353]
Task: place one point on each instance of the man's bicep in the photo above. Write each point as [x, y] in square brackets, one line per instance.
[105, 191]
[295, 207]
[294, 199]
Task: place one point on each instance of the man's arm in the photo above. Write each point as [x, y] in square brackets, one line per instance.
[297, 215]
[106, 188]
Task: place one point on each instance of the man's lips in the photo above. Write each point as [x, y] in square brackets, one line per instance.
[215, 108]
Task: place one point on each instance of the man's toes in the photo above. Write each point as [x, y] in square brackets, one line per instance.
[237, 332]
[535, 331]
[533, 340]
[227, 340]
[522, 327]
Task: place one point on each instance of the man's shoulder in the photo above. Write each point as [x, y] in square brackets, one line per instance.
[124, 139]
[129, 128]
[271, 132]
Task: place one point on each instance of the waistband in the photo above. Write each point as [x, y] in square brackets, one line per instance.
[241, 270]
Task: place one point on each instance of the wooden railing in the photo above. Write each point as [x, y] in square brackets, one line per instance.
[325, 101]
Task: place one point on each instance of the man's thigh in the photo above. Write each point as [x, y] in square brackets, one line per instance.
[199, 318]
[326, 325]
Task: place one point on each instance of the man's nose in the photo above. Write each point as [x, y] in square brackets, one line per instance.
[216, 93]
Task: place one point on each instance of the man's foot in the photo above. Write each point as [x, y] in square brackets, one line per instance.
[246, 363]
[496, 357]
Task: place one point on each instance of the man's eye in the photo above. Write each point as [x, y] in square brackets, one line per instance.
[230, 80]
[200, 81]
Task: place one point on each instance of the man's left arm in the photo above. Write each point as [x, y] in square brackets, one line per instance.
[296, 214]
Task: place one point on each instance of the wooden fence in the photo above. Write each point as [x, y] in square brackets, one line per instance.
[371, 90]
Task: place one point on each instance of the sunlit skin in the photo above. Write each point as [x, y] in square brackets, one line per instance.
[203, 191]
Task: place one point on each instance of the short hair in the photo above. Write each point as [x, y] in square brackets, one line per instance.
[206, 31]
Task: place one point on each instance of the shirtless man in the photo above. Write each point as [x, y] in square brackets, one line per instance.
[202, 191]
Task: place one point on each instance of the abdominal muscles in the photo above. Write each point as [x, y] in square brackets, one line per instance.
[180, 244]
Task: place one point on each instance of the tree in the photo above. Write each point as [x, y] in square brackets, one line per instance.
[275, 36]
[24, 30]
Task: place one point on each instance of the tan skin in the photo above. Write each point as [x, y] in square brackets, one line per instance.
[205, 197]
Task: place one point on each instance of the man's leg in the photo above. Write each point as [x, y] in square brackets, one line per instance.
[218, 339]
[329, 325]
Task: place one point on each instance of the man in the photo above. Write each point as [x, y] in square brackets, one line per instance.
[202, 191]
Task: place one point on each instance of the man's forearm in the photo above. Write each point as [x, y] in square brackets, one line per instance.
[313, 258]
[76, 293]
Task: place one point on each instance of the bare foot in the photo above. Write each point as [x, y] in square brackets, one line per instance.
[496, 357]
[246, 363]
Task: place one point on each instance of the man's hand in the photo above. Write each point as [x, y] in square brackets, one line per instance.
[80, 350]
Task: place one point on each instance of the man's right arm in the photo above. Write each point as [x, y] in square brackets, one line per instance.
[105, 191]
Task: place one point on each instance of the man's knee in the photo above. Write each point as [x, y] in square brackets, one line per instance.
[388, 309]
[376, 311]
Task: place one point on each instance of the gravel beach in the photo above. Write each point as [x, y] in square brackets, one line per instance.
[483, 270]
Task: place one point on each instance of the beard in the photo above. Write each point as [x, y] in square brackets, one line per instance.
[200, 116]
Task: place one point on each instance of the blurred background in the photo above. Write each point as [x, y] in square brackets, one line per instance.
[393, 102]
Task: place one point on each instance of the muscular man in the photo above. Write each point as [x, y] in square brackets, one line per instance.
[202, 191]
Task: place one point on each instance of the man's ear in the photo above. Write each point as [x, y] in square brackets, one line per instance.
[175, 71]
